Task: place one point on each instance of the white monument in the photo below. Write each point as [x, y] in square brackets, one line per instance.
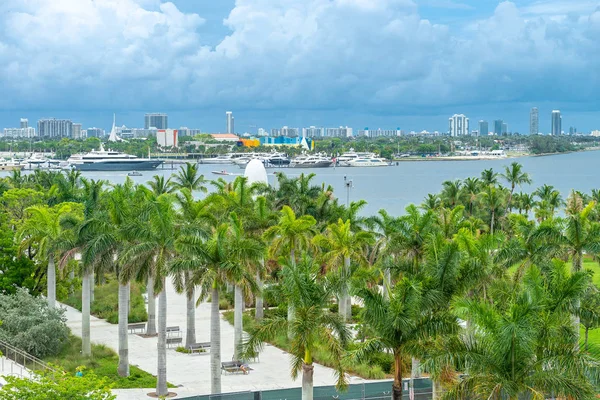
[256, 172]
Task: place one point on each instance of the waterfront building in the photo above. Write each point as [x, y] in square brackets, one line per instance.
[458, 125]
[156, 120]
[340, 132]
[167, 137]
[95, 132]
[24, 123]
[52, 128]
[484, 130]
[313, 132]
[19, 132]
[371, 133]
[498, 127]
[76, 131]
[230, 121]
[595, 133]
[286, 132]
[504, 128]
[556, 123]
[534, 121]
[262, 132]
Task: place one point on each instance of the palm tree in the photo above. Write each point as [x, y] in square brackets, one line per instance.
[489, 177]
[471, 188]
[50, 230]
[340, 247]
[159, 185]
[451, 193]
[154, 248]
[385, 228]
[431, 202]
[515, 176]
[312, 324]
[413, 230]
[493, 200]
[187, 177]
[590, 312]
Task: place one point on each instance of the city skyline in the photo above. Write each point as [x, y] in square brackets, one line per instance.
[230, 56]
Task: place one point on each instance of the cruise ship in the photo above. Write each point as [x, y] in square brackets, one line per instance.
[109, 160]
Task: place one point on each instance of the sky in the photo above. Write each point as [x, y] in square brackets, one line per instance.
[387, 64]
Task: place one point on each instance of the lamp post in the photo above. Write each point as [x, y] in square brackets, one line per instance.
[349, 184]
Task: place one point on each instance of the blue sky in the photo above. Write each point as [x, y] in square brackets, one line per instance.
[363, 63]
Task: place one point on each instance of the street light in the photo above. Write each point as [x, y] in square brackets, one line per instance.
[349, 185]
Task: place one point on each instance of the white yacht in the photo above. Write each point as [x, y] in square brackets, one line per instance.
[311, 161]
[109, 160]
[223, 158]
[368, 162]
[10, 165]
[344, 159]
[36, 159]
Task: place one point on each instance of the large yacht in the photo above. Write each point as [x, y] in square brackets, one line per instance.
[10, 165]
[223, 159]
[344, 159]
[368, 162]
[311, 161]
[109, 160]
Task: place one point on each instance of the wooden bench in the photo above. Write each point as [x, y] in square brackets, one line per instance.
[199, 347]
[137, 326]
[234, 367]
[173, 341]
[173, 330]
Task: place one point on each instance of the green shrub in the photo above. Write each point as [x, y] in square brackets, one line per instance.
[181, 349]
[384, 360]
[29, 324]
[106, 301]
[369, 371]
[87, 386]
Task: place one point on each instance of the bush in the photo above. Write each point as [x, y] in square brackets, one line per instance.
[106, 301]
[29, 324]
[87, 386]
[369, 372]
[384, 360]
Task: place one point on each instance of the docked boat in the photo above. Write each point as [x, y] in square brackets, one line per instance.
[311, 161]
[10, 165]
[368, 162]
[223, 158]
[109, 160]
[344, 159]
[222, 172]
[277, 160]
[134, 173]
[36, 159]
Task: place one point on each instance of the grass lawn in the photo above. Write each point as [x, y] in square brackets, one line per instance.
[103, 363]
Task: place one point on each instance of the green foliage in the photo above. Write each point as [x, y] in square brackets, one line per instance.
[16, 269]
[30, 325]
[52, 387]
[106, 301]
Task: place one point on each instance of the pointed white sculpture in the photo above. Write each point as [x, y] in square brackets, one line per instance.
[256, 172]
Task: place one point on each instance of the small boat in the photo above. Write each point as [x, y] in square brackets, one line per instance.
[221, 173]
[134, 173]
[11, 165]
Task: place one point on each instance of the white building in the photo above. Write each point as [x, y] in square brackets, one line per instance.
[379, 132]
[285, 131]
[595, 133]
[230, 121]
[167, 137]
[77, 131]
[262, 132]
[27, 132]
[313, 132]
[458, 125]
[342, 131]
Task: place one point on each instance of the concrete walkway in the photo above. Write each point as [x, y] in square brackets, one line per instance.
[192, 372]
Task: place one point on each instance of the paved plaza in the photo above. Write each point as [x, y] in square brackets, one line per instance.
[192, 372]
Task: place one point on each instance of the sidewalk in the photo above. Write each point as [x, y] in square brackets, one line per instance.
[192, 372]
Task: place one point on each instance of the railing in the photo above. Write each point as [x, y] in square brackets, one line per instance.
[21, 363]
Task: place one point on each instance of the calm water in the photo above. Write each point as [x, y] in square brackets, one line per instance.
[393, 188]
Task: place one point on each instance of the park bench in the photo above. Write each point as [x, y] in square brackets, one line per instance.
[173, 341]
[173, 330]
[234, 367]
[199, 347]
[137, 326]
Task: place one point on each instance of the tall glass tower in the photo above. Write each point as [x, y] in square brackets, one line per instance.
[230, 122]
[556, 123]
[534, 121]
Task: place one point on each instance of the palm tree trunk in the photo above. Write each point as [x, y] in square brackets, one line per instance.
[71, 279]
[92, 286]
[492, 224]
[437, 390]
[576, 267]
[307, 381]
[161, 376]
[215, 342]
[123, 368]
[86, 347]
[387, 283]
[397, 385]
[190, 336]
[343, 300]
[259, 308]
[415, 372]
[151, 325]
[237, 322]
[51, 279]
[290, 313]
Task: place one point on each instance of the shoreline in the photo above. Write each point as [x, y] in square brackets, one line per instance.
[488, 158]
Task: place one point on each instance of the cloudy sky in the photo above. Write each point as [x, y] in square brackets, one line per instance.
[376, 63]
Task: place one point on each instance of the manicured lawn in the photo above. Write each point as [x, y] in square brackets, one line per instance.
[103, 363]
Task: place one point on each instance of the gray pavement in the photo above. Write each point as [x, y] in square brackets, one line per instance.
[191, 373]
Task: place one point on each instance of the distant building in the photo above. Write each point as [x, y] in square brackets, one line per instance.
[313, 132]
[534, 121]
[504, 128]
[458, 125]
[55, 128]
[572, 130]
[341, 132]
[156, 120]
[77, 131]
[230, 122]
[19, 133]
[484, 130]
[595, 133]
[225, 137]
[262, 132]
[24, 123]
[167, 137]
[285, 131]
[372, 133]
[95, 132]
[556, 123]
[498, 127]
[185, 131]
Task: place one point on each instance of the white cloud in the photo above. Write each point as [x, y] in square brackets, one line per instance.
[376, 55]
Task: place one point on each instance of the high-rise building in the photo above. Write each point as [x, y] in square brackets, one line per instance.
[498, 127]
[18, 133]
[285, 131]
[76, 134]
[24, 123]
[52, 127]
[484, 130]
[556, 123]
[230, 122]
[458, 125]
[534, 121]
[313, 132]
[504, 128]
[342, 131]
[156, 120]
[572, 130]
[95, 132]
[380, 132]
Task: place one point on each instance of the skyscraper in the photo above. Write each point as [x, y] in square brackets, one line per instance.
[484, 130]
[556, 123]
[156, 120]
[230, 122]
[24, 123]
[498, 127]
[504, 128]
[76, 134]
[534, 121]
[458, 125]
[52, 127]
